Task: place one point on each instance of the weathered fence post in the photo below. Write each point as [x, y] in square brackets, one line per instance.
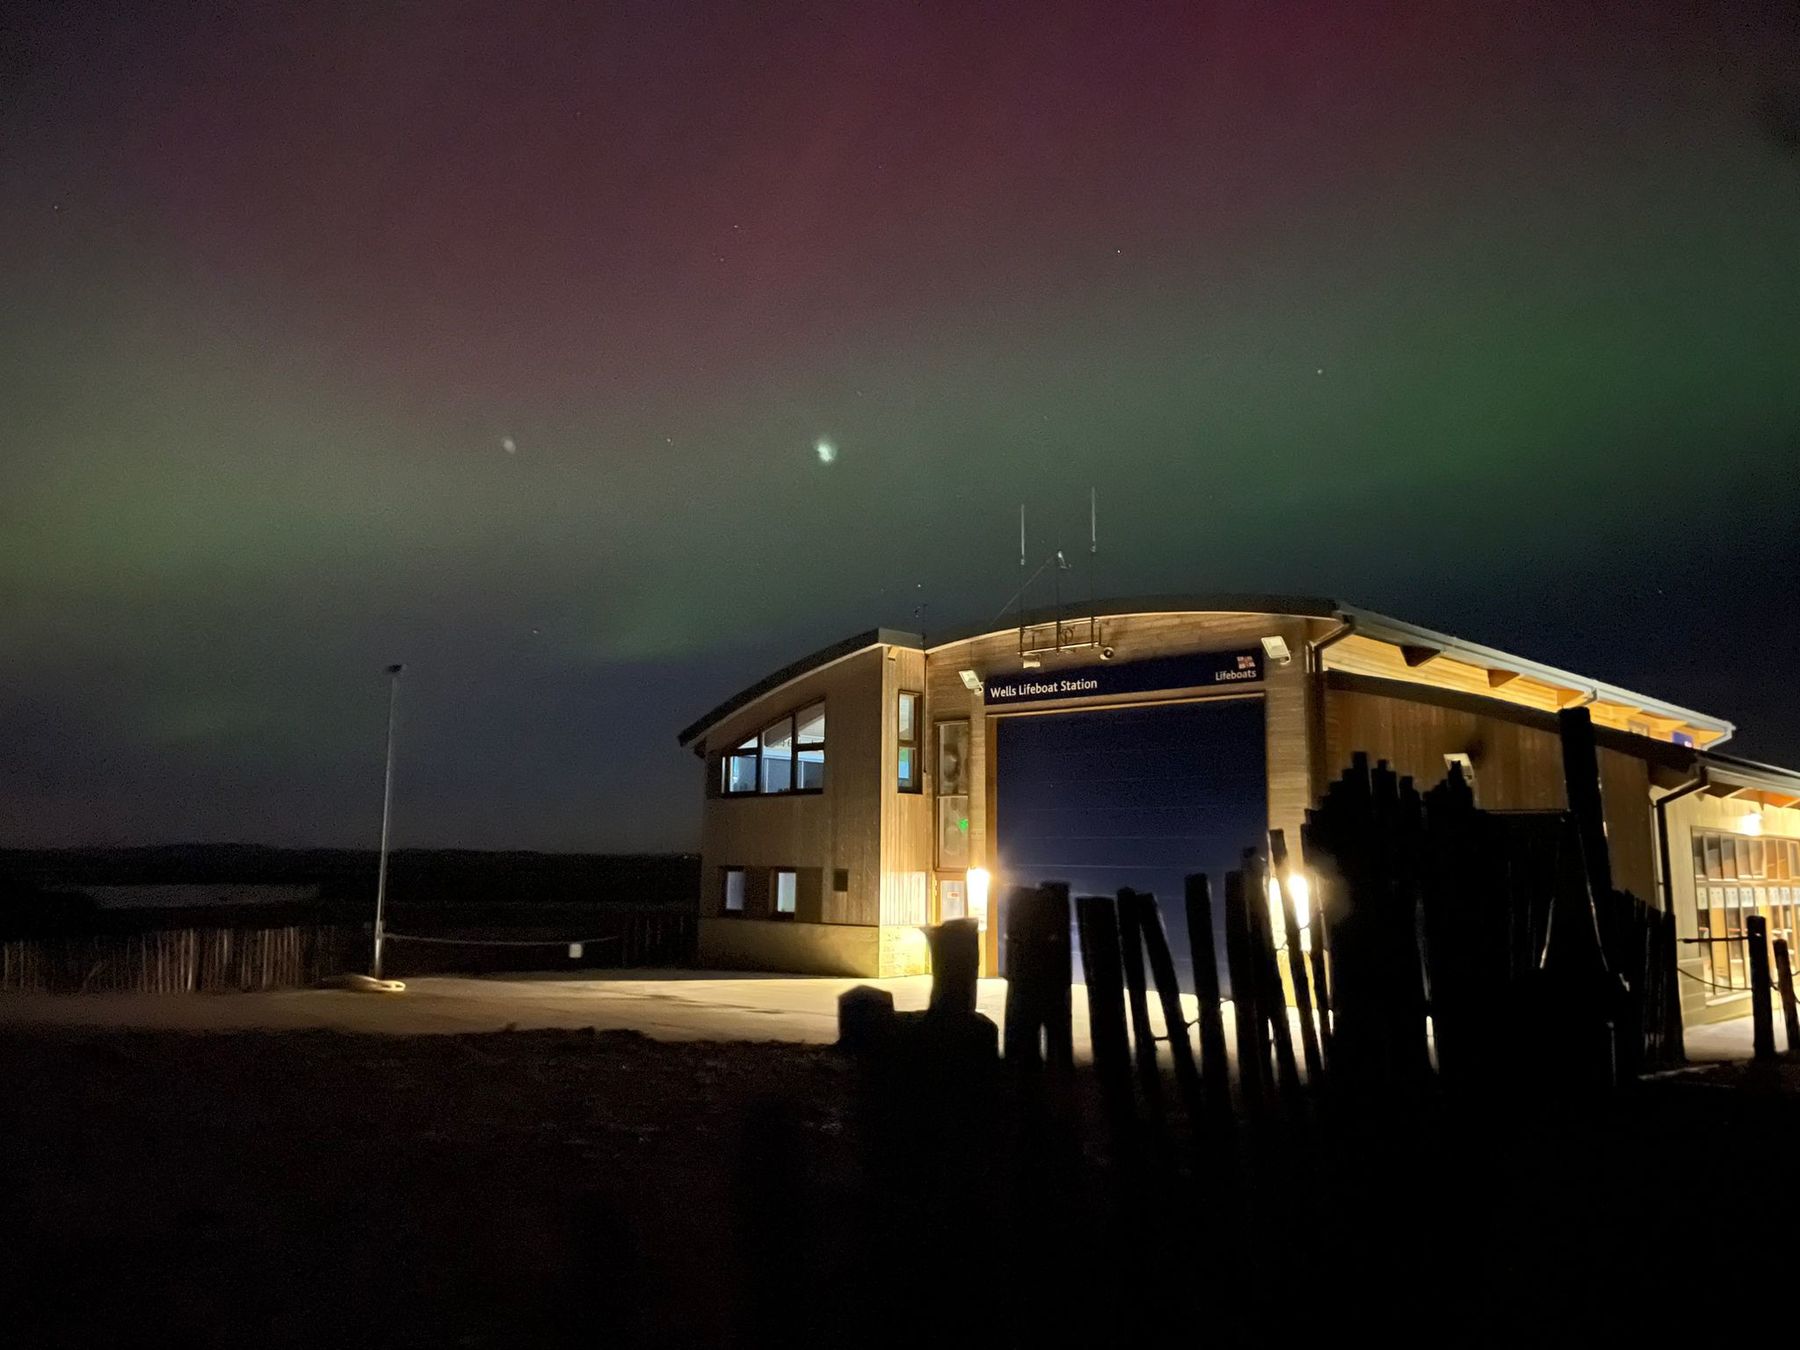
[1215, 1076]
[1131, 949]
[1790, 1016]
[1271, 1001]
[1309, 1036]
[1100, 964]
[1762, 1015]
[1254, 1074]
[1038, 976]
[1168, 990]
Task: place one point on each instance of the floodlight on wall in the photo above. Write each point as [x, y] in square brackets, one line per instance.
[1031, 663]
[1277, 650]
[971, 681]
[979, 881]
[1750, 823]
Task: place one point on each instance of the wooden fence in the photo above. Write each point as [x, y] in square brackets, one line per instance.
[1473, 948]
[195, 957]
[176, 960]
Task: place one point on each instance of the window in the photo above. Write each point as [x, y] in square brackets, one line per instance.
[787, 892]
[740, 769]
[788, 756]
[1759, 872]
[952, 786]
[778, 756]
[734, 890]
[809, 748]
[906, 735]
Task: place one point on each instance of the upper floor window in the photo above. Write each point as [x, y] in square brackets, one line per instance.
[734, 890]
[740, 768]
[778, 756]
[788, 755]
[809, 748]
[906, 737]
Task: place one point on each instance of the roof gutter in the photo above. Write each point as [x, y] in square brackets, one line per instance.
[1661, 805]
[1346, 626]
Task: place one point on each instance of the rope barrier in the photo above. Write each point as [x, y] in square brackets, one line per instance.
[501, 942]
[1731, 988]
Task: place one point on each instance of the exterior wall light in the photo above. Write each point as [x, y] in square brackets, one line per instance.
[979, 880]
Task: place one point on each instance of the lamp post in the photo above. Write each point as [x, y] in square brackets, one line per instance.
[387, 812]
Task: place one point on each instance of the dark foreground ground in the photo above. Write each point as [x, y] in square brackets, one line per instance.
[531, 1188]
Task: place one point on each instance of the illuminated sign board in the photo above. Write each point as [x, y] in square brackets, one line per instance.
[1198, 670]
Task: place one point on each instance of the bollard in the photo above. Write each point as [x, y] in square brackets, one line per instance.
[1790, 1016]
[1756, 939]
[955, 965]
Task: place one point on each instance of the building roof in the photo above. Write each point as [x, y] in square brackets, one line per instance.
[837, 651]
[1419, 644]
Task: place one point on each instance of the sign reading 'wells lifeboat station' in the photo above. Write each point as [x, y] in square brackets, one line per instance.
[1200, 670]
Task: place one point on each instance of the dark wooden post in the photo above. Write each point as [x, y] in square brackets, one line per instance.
[1309, 1036]
[1271, 1001]
[1215, 1076]
[1581, 784]
[1762, 1015]
[1131, 948]
[1037, 976]
[955, 962]
[1790, 1016]
[1100, 964]
[1254, 1075]
[1168, 991]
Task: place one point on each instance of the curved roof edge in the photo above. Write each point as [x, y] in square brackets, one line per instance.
[837, 651]
[1366, 622]
[1302, 606]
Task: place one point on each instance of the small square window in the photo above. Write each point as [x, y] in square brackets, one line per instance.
[840, 880]
[787, 892]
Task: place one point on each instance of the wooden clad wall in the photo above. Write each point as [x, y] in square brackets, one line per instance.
[837, 828]
[1369, 657]
[1518, 767]
[906, 839]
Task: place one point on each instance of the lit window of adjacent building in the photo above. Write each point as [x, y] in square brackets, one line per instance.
[906, 735]
[787, 891]
[734, 890]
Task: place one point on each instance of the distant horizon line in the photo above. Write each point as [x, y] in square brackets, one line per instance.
[6, 849]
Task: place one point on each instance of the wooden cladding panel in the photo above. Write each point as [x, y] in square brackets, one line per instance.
[1359, 655]
[1517, 768]
[906, 837]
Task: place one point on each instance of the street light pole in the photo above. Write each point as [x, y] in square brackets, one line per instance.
[387, 812]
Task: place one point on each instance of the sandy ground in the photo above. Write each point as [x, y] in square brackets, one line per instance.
[666, 1005]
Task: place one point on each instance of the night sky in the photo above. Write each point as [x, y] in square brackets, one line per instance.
[501, 340]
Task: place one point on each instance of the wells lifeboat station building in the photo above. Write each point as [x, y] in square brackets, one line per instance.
[887, 783]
